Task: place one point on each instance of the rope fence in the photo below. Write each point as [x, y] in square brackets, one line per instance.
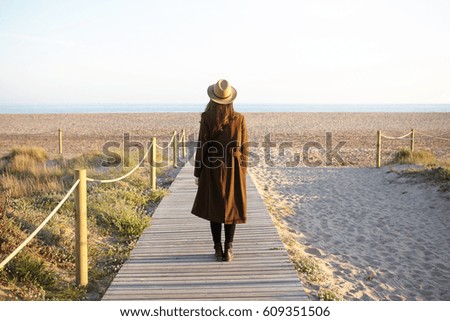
[123, 176]
[39, 228]
[168, 144]
[401, 137]
[80, 189]
[434, 137]
[411, 136]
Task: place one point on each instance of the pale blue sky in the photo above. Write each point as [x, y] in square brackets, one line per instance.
[316, 51]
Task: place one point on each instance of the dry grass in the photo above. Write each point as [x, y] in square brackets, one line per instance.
[436, 171]
[31, 185]
[89, 161]
[36, 153]
[419, 157]
[24, 172]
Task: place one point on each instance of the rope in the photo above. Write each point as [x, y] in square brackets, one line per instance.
[39, 228]
[161, 147]
[173, 136]
[401, 137]
[44, 133]
[443, 138]
[183, 138]
[35, 134]
[171, 140]
[55, 210]
[121, 177]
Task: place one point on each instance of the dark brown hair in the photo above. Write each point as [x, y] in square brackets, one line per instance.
[223, 114]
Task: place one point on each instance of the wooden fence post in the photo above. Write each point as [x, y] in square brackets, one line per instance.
[175, 149]
[183, 142]
[60, 140]
[379, 149]
[81, 257]
[152, 162]
[412, 140]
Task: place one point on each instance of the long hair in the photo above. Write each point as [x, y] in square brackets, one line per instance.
[223, 114]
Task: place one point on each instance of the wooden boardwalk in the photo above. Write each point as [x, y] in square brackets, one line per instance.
[174, 260]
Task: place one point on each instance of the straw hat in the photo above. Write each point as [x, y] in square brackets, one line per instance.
[221, 92]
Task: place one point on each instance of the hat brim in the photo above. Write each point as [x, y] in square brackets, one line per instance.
[220, 100]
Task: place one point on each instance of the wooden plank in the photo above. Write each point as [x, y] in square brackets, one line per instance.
[173, 259]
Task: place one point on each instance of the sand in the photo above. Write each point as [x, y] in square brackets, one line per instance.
[84, 132]
[376, 234]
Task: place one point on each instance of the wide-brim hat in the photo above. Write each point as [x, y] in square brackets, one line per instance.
[222, 92]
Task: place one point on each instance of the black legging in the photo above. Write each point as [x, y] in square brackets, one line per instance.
[216, 230]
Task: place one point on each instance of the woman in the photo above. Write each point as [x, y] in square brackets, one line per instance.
[220, 167]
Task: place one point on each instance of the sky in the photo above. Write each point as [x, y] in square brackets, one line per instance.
[272, 52]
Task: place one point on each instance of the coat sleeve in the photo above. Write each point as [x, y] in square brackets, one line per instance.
[202, 138]
[244, 143]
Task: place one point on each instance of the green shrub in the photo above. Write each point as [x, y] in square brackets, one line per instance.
[117, 209]
[328, 295]
[29, 268]
[308, 267]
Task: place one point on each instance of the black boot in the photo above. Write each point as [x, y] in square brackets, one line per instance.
[228, 253]
[219, 251]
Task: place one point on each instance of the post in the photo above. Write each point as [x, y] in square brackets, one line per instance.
[60, 140]
[152, 162]
[379, 149]
[183, 142]
[81, 257]
[175, 149]
[412, 140]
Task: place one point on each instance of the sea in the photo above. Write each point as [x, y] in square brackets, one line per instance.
[178, 108]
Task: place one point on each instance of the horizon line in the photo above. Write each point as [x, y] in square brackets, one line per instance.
[204, 103]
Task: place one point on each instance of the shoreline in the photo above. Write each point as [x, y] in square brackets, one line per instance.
[55, 108]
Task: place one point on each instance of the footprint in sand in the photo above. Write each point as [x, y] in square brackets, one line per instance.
[314, 251]
[394, 297]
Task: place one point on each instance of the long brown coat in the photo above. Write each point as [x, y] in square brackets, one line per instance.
[220, 165]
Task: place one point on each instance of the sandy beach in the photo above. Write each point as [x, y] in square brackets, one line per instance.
[89, 132]
[377, 234]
